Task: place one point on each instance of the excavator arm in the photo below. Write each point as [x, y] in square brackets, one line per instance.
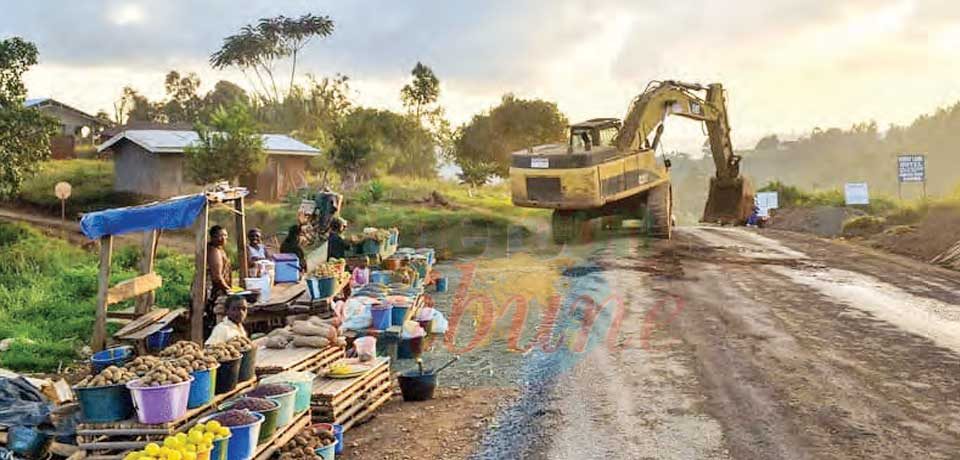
[730, 200]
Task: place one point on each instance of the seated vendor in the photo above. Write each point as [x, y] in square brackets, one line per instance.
[293, 244]
[256, 250]
[232, 325]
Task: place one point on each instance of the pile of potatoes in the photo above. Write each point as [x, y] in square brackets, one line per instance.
[306, 443]
[112, 375]
[181, 349]
[142, 364]
[242, 344]
[166, 373]
[224, 352]
[189, 356]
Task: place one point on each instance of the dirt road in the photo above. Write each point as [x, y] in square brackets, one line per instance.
[744, 345]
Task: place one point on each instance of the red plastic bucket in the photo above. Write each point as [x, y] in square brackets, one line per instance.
[161, 404]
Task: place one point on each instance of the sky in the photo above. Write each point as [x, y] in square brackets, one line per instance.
[788, 65]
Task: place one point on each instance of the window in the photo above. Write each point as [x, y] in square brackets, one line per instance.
[607, 135]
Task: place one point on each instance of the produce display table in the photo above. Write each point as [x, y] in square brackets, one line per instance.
[348, 402]
[109, 441]
[282, 436]
[272, 361]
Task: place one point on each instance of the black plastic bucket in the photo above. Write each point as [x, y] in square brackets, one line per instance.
[416, 387]
[228, 375]
[248, 362]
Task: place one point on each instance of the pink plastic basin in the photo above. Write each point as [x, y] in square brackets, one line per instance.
[161, 404]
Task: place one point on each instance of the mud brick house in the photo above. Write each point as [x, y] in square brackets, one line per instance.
[151, 162]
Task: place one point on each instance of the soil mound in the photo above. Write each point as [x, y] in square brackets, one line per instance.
[826, 221]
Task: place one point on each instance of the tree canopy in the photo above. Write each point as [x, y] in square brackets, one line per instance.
[489, 138]
[24, 131]
[229, 147]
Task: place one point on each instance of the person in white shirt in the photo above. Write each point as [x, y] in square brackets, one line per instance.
[232, 325]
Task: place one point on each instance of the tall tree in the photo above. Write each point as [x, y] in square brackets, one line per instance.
[515, 124]
[223, 94]
[258, 49]
[133, 106]
[423, 91]
[229, 147]
[183, 104]
[24, 131]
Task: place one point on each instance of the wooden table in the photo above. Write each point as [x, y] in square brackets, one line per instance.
[348, 402]
[272, 361]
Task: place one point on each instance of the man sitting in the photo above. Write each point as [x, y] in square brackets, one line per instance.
[232, 325]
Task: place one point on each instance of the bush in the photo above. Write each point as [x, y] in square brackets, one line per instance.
[92, 183]
[863, 225]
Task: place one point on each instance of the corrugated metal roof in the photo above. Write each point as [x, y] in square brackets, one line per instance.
[172, 141]
[36, 101]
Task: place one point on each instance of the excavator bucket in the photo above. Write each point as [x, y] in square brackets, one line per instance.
[730, 202]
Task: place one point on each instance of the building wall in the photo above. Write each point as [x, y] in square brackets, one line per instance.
[150, 174]
[282, 175]
[70, 122]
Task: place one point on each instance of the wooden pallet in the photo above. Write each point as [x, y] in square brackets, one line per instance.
[109, 441]
[272, 361]
[282, 436]
[348, 402]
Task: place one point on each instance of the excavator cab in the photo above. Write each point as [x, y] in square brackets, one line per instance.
[593, 133]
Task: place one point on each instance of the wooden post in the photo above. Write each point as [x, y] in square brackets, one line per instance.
[277, 190]
[150, 239]
[241, 240]
[199, 294]
[103, 284]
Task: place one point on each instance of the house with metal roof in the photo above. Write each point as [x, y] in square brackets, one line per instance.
[76, 126]
[151, 162]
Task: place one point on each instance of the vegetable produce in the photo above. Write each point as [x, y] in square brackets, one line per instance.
[165, 373]
[305, 444]
[142, 364]
[181, 348]
[112, 375]
[310, 341]
[183, 446]
[224, 351]
[242, 344]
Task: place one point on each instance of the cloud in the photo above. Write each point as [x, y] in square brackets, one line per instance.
[788, 64]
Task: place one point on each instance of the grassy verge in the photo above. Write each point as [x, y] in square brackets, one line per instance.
[48, 292]
[92, 183]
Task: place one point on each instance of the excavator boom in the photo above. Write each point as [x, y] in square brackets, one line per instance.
[730, 200]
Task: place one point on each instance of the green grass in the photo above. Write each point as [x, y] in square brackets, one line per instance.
[794, 197]
[48, 292]
[91, 180]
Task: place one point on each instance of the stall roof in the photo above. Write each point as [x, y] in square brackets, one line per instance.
[165, 215]
[174, 141]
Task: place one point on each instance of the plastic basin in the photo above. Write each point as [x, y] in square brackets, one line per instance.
[159, 340]
[380, 277]
[382, 318]
[161, 404]
[398, 314]
[109, 403]
[111, 357]
[242, 443]
[248, 362]
[220, 447]
[328, 452]
[302, 381]
[288, 406]
[337, 433]
[371, 247]
[441, 284]
[202, 388]
[28, 442]
[416, 387]
[321, 288]
[269, 426]
[228, 375]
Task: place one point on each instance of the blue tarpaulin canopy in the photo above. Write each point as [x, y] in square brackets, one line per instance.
[166, 215]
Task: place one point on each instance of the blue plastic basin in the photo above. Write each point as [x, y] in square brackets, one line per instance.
[111, 357]
[159, 340]
[109, 403]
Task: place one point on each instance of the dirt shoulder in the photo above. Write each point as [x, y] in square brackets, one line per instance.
[446, 427]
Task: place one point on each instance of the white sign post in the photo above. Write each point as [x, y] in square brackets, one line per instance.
[856, 193]
[911, 168]
[767, 201]
[62, 191]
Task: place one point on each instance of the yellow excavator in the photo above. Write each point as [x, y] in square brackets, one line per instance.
[608, 169]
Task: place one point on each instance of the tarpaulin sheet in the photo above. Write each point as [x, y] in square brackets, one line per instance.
[166, 215]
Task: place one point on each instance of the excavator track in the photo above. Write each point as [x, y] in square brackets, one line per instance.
[659, 212]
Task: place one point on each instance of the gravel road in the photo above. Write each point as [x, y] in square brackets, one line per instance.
[736, 344]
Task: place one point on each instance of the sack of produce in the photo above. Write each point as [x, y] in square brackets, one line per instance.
[310, 341]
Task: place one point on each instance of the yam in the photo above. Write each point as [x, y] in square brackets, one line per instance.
[308, 341]
[306, 328]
